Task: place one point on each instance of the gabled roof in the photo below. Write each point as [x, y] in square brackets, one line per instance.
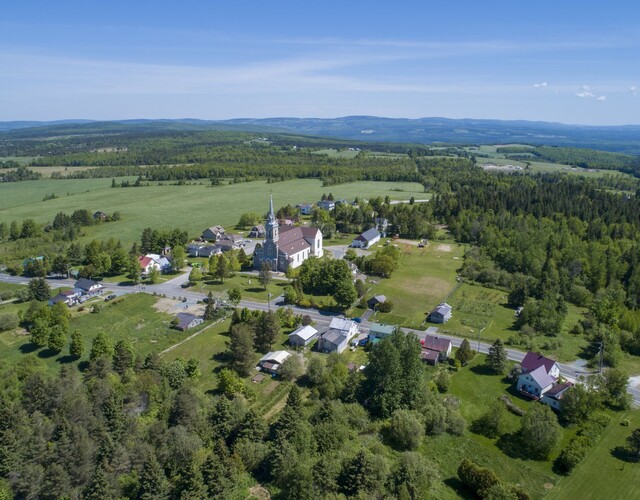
[275, 357]
[541, 377]
[304, 332]
[368, 235]
[442, 308]
[333, 336]
[379, 299]
[144, 261]
[428, 355]
[533, 360]
[85, 284]
[58, 298]
[435, 343]
[558, 390]
[184, 319]
[341, 324]
[381, 328]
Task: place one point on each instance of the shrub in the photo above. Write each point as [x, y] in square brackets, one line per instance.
[405, 430]
[478, 479]
[8, 322]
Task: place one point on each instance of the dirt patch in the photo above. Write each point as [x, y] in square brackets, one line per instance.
[258, 492]
[140, 326]
[269, 389]
[444, 248]
[172, 306]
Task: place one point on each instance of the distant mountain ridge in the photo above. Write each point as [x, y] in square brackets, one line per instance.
[625, 138]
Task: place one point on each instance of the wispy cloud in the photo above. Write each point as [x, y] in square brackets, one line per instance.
[633, 90]
[585, 92]
[601, 98]
[540, 85]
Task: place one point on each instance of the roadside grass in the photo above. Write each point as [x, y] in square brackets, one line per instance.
[191, 207]
[248, 284]
[424, 279]
[604, 473]
[475, 390]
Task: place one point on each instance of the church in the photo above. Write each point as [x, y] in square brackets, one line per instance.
[288, 246]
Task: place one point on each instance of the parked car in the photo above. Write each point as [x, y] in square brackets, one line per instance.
[356, 320]
[363, 342]
[110, 297]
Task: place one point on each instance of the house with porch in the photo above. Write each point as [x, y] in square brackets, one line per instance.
[88, 287]
[540, 380]
[337, 337]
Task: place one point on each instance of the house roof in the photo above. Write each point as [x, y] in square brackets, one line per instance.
[558, 390]
[429, 355]
[333, 336]
[541, 377]
[69, 293]
[184, 319]
[341, 324]
[378, 298]
[275, 357]
[442, 309]
[293, 239]
[533, 360]
[84, 284]
[215, 229]
[259, 227]
[144, 261]
[436, 343]
[368, 235]
[304, 332]
[58, 298]
[381, 328]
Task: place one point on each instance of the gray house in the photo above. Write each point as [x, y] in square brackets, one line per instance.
[337, 337]
[187, 321]
[212, 233]
[441, 314]
[303, 336]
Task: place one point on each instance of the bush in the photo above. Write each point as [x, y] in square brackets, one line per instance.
[478, 479]
[442, 381]
[385, 307]
[571, 456]
[405, 430]
[291, 368]
[8, 322]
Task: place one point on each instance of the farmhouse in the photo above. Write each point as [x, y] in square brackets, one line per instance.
[382, 224]
[326, 204]
[303, 336]
[88, 286]
[187, 321]
[257, 231]
[337, 337]
[212, 233]
[441, 314]
[306, 208]
[69, 297]
[272, 361]
[146, 264]
[366, 239]
[287, 247]
[380, 331]
[435, 349]
[540, 380]
[202, 250]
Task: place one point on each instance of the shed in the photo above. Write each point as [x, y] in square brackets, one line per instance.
[441, 314]
[374, 301]
[272, 361]
[187, 321]
[303, 336]
[366, 239]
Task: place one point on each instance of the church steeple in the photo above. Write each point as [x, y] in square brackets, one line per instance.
[272, 223]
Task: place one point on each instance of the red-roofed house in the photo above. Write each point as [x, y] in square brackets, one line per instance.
[435, 349]
[147, 264]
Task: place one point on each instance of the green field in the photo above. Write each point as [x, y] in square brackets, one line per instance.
[601, 474]
[425, 277]
[191, 207]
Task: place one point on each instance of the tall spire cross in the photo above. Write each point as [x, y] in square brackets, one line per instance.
[271, 205]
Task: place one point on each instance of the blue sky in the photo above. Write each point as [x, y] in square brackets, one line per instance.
[565, 61]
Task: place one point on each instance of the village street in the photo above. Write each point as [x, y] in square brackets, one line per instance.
[173, 288]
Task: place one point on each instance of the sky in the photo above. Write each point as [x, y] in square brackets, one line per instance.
[566, 61]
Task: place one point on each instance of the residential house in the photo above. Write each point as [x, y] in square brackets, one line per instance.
[212, 233]
[257, 231]
[326, 204]
[303, 336]
[382, 224]
[380, 331]
[288, 246]
[306, 208]
[187, 321]
[229, 241]
[202, 250]
[441, 314]
[100, 216]
[146, 264]
[88, 287]
[272, 361]
[435, 349]
[376, 300]
[337, 337]
[540, 380]
[69, 297]
[368, 238]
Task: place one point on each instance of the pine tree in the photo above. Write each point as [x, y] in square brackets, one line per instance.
[241, 349]
[76, 348]
[267, 331]
[40, 332]
[222, 268]
[57, 338]
[210, 308]
[123, 356]
[99, 487]
[101, 347]
[497, 357]
[464, 354]
[265, 274]
[153, 483]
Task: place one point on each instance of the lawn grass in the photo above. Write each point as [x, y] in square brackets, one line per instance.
[601, 474]
[248, 284]
[425, 278]
[192, 207]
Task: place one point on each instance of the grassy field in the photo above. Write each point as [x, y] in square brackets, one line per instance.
[190, 207]
[475, 389]
[425, 277]
[132, 317]
[601, 474]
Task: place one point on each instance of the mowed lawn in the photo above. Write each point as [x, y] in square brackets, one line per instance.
[424, 279]
[602, 475]
[190, 207]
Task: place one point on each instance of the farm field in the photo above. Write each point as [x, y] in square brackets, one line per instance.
[191, 207]
[425, 277]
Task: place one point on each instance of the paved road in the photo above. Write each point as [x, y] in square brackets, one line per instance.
[173, 288]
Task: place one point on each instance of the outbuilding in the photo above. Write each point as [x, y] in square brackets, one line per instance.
[303, 336]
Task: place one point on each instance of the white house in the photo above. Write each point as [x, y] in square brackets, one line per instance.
[88, 287]
[272, 361]
[368, 238]
[337, 337]
[306, 208]
[147, 264]
[187, 321]
[540, 380]
[303, 336]
[326, 204]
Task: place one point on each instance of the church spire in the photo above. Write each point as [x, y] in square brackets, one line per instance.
[271, 214]
[272, 223]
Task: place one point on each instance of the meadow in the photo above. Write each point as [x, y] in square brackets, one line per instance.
[192, 207]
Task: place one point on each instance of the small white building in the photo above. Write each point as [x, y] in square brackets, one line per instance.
[366, 239]
[303, 336]
[272, 361]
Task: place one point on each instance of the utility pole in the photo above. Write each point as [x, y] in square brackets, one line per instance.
[601, 360]
[269, 300]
